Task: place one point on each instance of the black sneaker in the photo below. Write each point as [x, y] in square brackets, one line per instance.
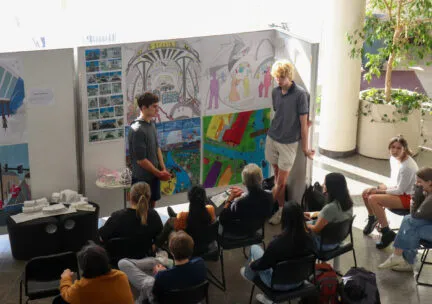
[386, 239]
[171, 212]
[370, 226]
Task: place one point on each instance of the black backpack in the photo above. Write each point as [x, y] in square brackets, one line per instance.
[359, 287]
[313, 198]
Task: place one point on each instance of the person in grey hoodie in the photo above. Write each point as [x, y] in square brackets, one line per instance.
[415, 226]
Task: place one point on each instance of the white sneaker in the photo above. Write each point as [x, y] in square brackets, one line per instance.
[276, 218]
[263, 299]
[403, 267]
[393, 260]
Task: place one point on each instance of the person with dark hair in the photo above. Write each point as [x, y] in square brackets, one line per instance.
[194, 222]
[100, 283]
[294, 241]
[137, 220]
[152, 278]
[394, 196]
[244, 213]
[338, 208]
[145, 155]
[414, 227]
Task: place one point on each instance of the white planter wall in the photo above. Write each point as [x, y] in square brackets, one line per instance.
[373, 136]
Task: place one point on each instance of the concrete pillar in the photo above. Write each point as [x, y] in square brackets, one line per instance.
[340, 75]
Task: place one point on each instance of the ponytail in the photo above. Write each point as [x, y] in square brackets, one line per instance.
[140, 193]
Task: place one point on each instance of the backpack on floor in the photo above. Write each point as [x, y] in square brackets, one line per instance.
[359, 287]
[328, 284]
[313, 198]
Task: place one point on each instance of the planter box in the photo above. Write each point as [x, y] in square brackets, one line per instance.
[374, 134]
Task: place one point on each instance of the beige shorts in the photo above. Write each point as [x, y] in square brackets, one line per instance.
[282, 155]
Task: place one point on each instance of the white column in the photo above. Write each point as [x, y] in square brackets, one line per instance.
[340, 75]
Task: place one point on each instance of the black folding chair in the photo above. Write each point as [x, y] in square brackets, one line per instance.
[207, 247]
[136, 247]
[41, 277]
[425, 245]
[289, 272]
[336, 233]
[192, 295]
[228, 241]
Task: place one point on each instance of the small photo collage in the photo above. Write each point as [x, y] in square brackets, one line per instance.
[105, 94]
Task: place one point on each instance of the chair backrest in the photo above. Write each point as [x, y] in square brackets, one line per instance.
[244, 228]
[136, 247]
[203, 240]
[294, 270]
[192, 295]
[78, 228]
[334, 233]
[50, 267]
[34, 238]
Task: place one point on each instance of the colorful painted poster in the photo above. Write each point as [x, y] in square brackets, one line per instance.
[237, 74]
[14, 157]
[180, 143]
[230, 142]
[169, 69]
[104, 94]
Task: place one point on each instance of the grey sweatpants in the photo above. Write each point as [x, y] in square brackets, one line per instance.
[140, 275]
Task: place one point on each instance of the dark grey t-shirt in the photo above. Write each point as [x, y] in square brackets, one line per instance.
[143, 144]
[285, 127]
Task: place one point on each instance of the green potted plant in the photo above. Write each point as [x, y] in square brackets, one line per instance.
[404, 29]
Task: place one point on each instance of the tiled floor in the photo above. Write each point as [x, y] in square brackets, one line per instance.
[361, 172]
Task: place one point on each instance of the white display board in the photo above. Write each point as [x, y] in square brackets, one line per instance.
[190, 74]
[50, 118]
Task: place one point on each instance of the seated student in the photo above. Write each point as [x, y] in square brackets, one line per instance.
[194, 222]
[338, 208]
[244, 213]
[398, 196]
[152, 278]
[136, 220]
[416, 226]
[294, 241]
[99, 284]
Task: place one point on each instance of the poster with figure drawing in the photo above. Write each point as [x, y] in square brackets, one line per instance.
[230, 142]
[170, 69]
[236, 72]
[13, 136]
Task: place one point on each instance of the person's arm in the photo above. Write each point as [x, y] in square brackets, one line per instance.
[304, 123]
[69, 291]
[106, 232]
[269, 257]
[161, 160]
[319, 225]
[211, 211]
[404, 183]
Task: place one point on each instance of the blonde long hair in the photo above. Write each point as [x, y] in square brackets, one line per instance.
[140, 194]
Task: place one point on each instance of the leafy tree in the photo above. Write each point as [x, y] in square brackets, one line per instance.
[405, 30]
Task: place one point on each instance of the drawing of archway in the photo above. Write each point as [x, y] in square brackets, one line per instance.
[170, 70]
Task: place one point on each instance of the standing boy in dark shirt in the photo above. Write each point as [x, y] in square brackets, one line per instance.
[289, 125]
[146, 156]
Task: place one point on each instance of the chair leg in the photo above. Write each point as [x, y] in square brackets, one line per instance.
[20, 290]
[244, 253]
[355, 259]
[251, 295]
[423, 262]
[222, 270]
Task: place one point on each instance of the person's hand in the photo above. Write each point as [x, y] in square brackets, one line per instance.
[157, 268]
[309, 123]
[234, 193]
[307, 216]
[309, 154]
[164, 175]
[67, 274]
